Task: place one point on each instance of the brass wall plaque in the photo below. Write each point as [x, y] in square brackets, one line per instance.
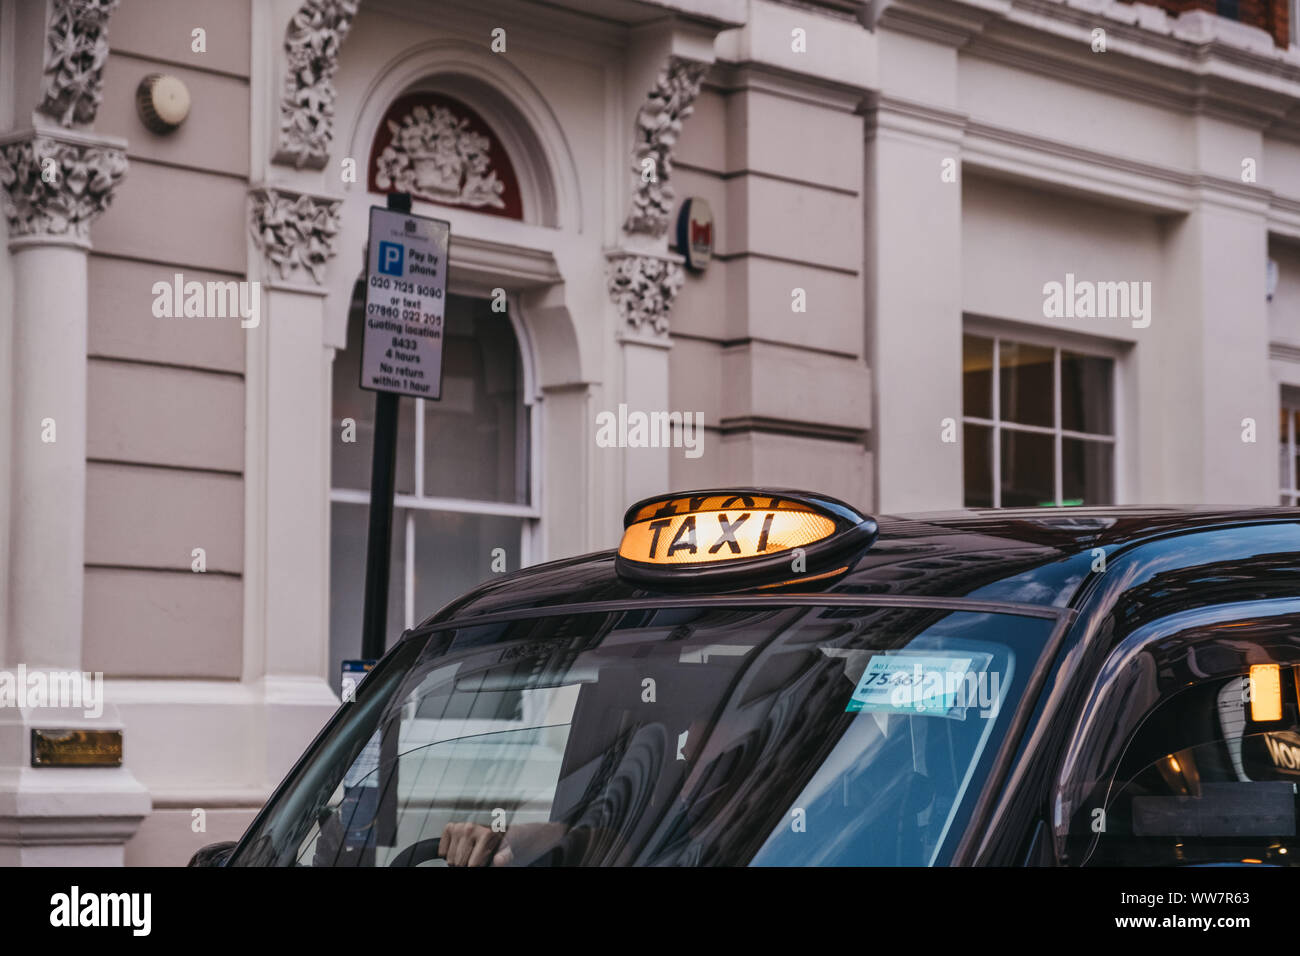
[76, 748]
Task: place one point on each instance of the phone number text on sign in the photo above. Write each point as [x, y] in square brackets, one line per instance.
[405, 299]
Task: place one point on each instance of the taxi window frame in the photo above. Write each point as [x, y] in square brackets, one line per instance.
[970, 842]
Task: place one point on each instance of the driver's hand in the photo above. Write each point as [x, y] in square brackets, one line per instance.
[470, 844]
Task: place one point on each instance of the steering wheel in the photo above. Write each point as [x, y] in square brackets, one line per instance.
[421, 851]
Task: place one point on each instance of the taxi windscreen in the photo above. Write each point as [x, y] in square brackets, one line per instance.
[784, 735]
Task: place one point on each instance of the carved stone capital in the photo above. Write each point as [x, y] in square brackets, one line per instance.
[76, 46]
[643, 287]
[658, 127]
[311, 46]
[295, 232]
[56, 184]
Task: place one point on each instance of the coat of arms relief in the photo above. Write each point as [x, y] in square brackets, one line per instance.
[435, 155]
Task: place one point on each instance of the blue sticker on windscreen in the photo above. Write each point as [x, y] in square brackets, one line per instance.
[936, 684]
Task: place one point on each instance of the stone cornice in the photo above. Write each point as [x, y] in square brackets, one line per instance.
[728, 77]
[1130, 70]
[895, 113]
[546, 27]
[951, 22]
[853, 10]
[1194, 63]
[822, 431]
[1161, 188]
[56, 182]
[1284, 217]
[523, 268]
[1069, 167]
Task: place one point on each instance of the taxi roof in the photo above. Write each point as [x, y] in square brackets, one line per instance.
[1038, 556]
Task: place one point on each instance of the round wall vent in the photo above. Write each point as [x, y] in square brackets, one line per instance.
[162, 101]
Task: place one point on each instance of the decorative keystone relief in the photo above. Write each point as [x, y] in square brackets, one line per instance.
[295, 231]
[311, 45]
[435, 154]
[76, 46]
[643, 288]
[56, 188]
[658, 126]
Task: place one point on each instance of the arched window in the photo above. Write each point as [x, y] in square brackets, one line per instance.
[464, 505]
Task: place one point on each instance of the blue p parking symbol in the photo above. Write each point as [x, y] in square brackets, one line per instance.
[391, 257]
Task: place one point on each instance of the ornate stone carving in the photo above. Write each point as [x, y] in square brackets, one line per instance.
[56, 188]
[295, 231]
[311, 44]
[644, 287]
[76, 46]
[435, 154]
[658, 125]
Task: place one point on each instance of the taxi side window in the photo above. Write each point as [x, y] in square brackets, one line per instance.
[1210, 777]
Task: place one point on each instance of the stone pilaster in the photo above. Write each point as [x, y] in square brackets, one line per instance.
[295, 237]
[56, 178]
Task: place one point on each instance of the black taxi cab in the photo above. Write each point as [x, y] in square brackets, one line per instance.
[773, 678]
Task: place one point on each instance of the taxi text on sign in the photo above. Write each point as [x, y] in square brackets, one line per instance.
[406, 294]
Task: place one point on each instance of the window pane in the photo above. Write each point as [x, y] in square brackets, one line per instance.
[1087, 472]
[1283, 454]
[348, 526]
[1086, 394]
[770, 708]
[1203, 780]
[1295, 471]
[1027, 465]
[1026, 383]
[977, 462]
[475, 437]
[350, 461]
[455, 551]
[977, 376]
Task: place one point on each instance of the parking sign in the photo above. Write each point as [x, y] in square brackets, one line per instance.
[406, 291]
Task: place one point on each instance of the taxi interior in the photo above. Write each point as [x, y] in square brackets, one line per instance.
[1210, 778]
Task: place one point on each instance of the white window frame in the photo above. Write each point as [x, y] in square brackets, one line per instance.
[998, 332]
[529, 544]
[1290, 405]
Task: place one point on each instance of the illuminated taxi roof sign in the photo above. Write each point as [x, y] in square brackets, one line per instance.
[700, 538]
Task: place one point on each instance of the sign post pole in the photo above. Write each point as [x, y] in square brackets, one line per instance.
[401, 354]
[379, 537]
